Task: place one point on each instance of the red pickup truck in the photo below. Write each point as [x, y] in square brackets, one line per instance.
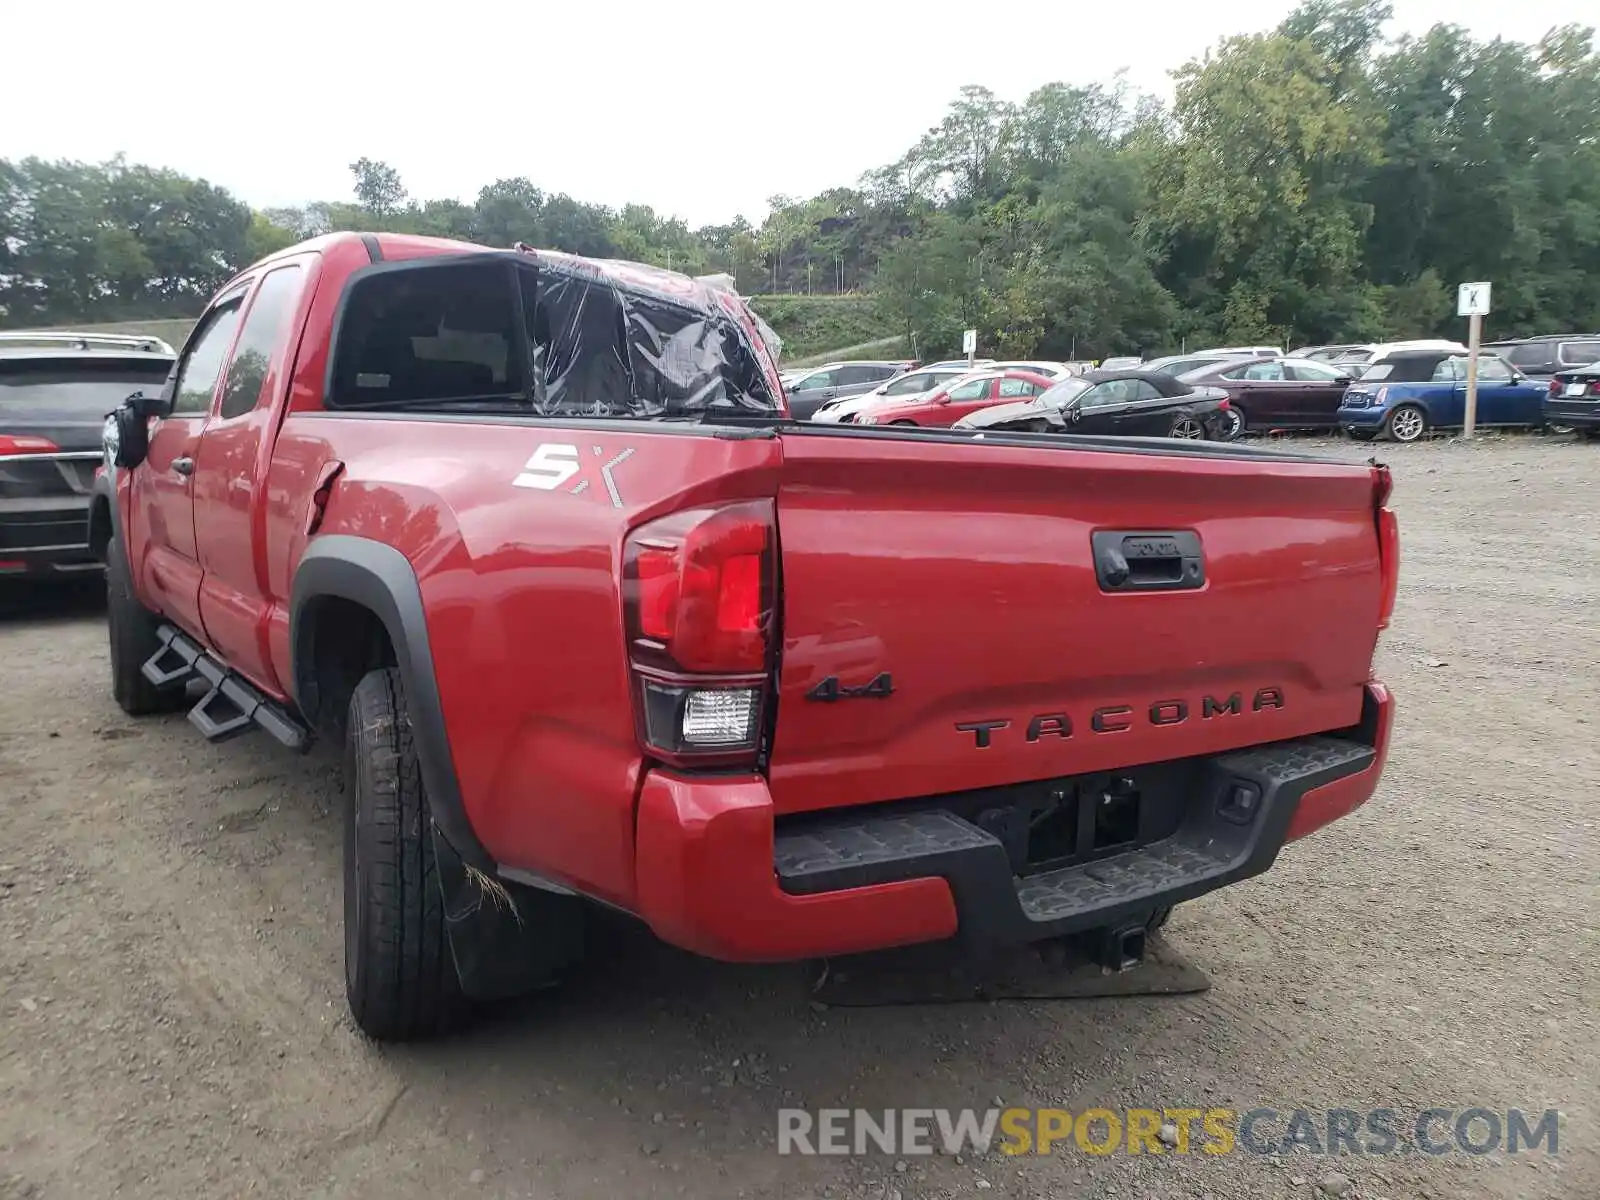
[532, 539]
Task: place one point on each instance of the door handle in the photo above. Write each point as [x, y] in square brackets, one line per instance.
[183, 466]
[1133, 561]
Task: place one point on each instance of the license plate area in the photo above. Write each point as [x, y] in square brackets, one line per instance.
[1576, 389]
[1048, 824]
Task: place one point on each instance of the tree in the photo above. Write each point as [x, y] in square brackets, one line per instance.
[378, 187]
[1309, 183]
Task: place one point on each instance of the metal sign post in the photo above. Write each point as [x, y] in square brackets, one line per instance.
[1472, 302]
[969, 346]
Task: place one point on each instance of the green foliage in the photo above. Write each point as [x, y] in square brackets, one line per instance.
[821, 324]
[1311, 183]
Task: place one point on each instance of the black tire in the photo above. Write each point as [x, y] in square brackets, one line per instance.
[913, 423]
[399, 976]
[131, 630]
[1400, 427]
[1237, 422]
[1361, 435]
[1587, 433]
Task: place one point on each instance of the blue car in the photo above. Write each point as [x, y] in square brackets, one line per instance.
[1408, 392]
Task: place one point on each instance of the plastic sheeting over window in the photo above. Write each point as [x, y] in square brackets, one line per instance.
[555, 333]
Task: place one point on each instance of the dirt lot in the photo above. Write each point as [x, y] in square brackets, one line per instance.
[174, 1025]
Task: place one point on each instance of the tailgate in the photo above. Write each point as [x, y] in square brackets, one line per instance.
[967, 572]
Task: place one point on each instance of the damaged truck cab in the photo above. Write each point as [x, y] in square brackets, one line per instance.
[530, 538]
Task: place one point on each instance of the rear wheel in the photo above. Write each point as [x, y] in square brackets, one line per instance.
[399, 976]
[1406, 423]
[1234, 422]
[131, 629]
[912, 423]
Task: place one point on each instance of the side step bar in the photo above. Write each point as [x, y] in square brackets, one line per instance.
[231, 706]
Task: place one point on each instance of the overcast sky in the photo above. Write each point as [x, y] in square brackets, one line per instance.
[701, 111]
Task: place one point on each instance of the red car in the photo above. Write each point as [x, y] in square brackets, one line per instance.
[969, 394]
[530, 540]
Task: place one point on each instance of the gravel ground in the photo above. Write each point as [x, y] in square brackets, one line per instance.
[173, 1021]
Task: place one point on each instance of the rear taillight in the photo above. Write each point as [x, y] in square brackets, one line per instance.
[1555, 387]
[699, 600]
[1388, 543]
[1223, 405]
[23, 443]
[1594, 388]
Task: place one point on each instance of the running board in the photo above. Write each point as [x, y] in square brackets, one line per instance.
[231, 705]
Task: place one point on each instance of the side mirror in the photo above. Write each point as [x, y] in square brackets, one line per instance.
[125, 438]
[159, 405]
[1074, 414]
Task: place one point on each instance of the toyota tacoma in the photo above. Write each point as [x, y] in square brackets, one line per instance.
[534, 542]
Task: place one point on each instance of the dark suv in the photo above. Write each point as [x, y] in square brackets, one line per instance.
[55, 392]
[810, 390]
[1548, 354]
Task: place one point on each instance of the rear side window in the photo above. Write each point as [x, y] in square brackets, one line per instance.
[1536, 354]
[815, 383]
[1267, 372]
[1579, 354]
[978, 389]
[922, 381]
[1313, 372]
[264, 328]
[42, 390]
[513, 332]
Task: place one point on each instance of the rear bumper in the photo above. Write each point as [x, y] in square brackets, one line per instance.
[46, 535]
[1362, 418]
[1580, 414]
[715, 875]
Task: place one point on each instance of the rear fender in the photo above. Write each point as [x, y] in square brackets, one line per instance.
[380, 579]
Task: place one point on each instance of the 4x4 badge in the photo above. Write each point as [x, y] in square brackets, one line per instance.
[830, 689]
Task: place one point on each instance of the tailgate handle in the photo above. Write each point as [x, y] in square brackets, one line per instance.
[1136, 560]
